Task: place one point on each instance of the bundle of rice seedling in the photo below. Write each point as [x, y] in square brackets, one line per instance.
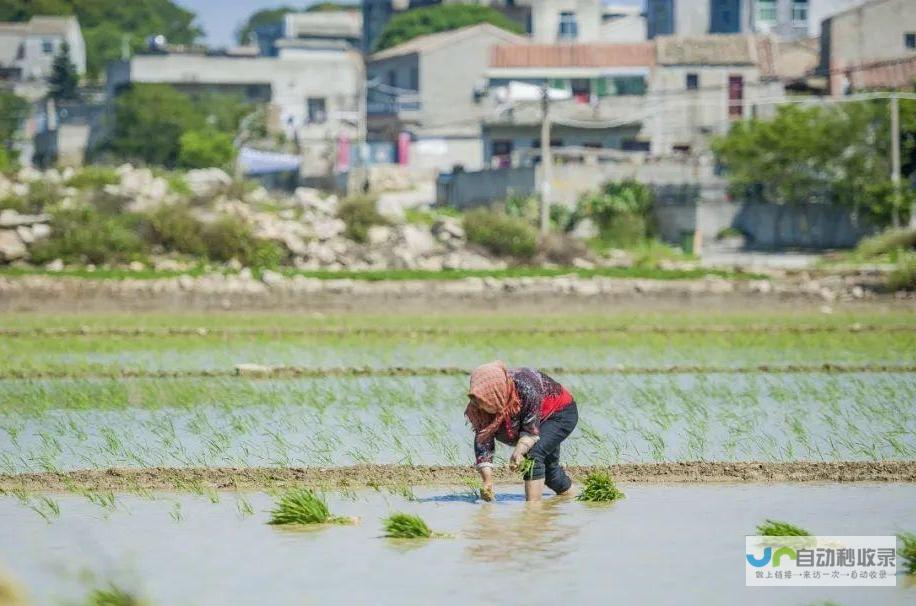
[406, 526]
[599, 488]
[113, 596]
[526, 467]
[775, 528]
[908, 551]
[302, 506]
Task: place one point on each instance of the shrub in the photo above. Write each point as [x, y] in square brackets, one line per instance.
[360, 213]
[887, 242]
[406, 526]
[523, 207]
[86, 235]
[599, 488]
[205, 148]
[620, 210]
[229, 238]
[561, 248]
[176, 229]
[626, 197]
[908, 551]
[775, 528]
[500, 234]
[8, 160]
[904, 275]
[94, 177]
[302, 506]
[41, 195]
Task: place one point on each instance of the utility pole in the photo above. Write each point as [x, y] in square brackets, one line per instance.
[546, 159]
[895, 158]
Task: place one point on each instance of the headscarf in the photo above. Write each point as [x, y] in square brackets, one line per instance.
[496, 399]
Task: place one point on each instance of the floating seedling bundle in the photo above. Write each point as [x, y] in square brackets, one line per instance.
[302, 506]
[599, 488]
[776, 528]
[408, 526]
[907, 551]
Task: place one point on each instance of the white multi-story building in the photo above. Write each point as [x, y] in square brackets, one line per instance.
[27, 49]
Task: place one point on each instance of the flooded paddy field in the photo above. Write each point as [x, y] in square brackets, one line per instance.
[216, 549]
[50, 425]
[131, 448]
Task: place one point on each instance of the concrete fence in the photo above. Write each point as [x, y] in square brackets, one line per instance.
[689, 199]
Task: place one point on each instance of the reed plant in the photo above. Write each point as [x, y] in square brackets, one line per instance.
[599, 488]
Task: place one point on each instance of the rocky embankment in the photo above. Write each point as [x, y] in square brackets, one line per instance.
[271, 290]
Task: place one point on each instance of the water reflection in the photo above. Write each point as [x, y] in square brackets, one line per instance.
[522, 537]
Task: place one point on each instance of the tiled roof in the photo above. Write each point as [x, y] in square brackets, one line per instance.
[50, 25]
[640, 54]
[716, 49]
[434, 41]
[39, 26]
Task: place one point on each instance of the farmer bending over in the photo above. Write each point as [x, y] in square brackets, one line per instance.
[525, 408]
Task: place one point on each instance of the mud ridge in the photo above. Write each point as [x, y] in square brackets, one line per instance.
[292, 372]
[377, 476]
[191, 331]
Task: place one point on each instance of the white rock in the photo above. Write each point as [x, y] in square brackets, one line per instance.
[11, 218]
[379, 234]
[11, 246]
[858, 292]
[417, 240]
[136, 266]
[25, 234]
[41, 231]
[448, 228]
[205, 182]
[55, 265]
[272, 278]
[252, 369]
[581, 263]
[325, 229]
[27, 174]
[585, 229]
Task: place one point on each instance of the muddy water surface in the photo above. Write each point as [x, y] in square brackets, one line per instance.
[663, 544]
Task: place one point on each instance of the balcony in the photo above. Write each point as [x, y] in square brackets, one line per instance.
[403, 106]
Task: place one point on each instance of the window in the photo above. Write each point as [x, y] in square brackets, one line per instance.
[800, 11]
[618, 86]
[909, 40]
[724, 17]
[392, 78]
[581, 89]
[317, 111]
[635, 145]
[568, 29]
[47, 47]
[766, 11]
[661, 18]
[735, 96]
[693, 81]
[414, 79]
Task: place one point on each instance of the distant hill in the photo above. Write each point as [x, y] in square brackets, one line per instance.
[106, 22]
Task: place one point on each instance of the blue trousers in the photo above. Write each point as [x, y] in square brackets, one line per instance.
[546, 451]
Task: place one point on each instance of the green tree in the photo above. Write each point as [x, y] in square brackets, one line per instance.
[64, 79]
[106, 22]
[262, 17]
[149, 122]
[429, 20]
[13, 110]
[157, 124]
[205, 148]
[830, 154]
